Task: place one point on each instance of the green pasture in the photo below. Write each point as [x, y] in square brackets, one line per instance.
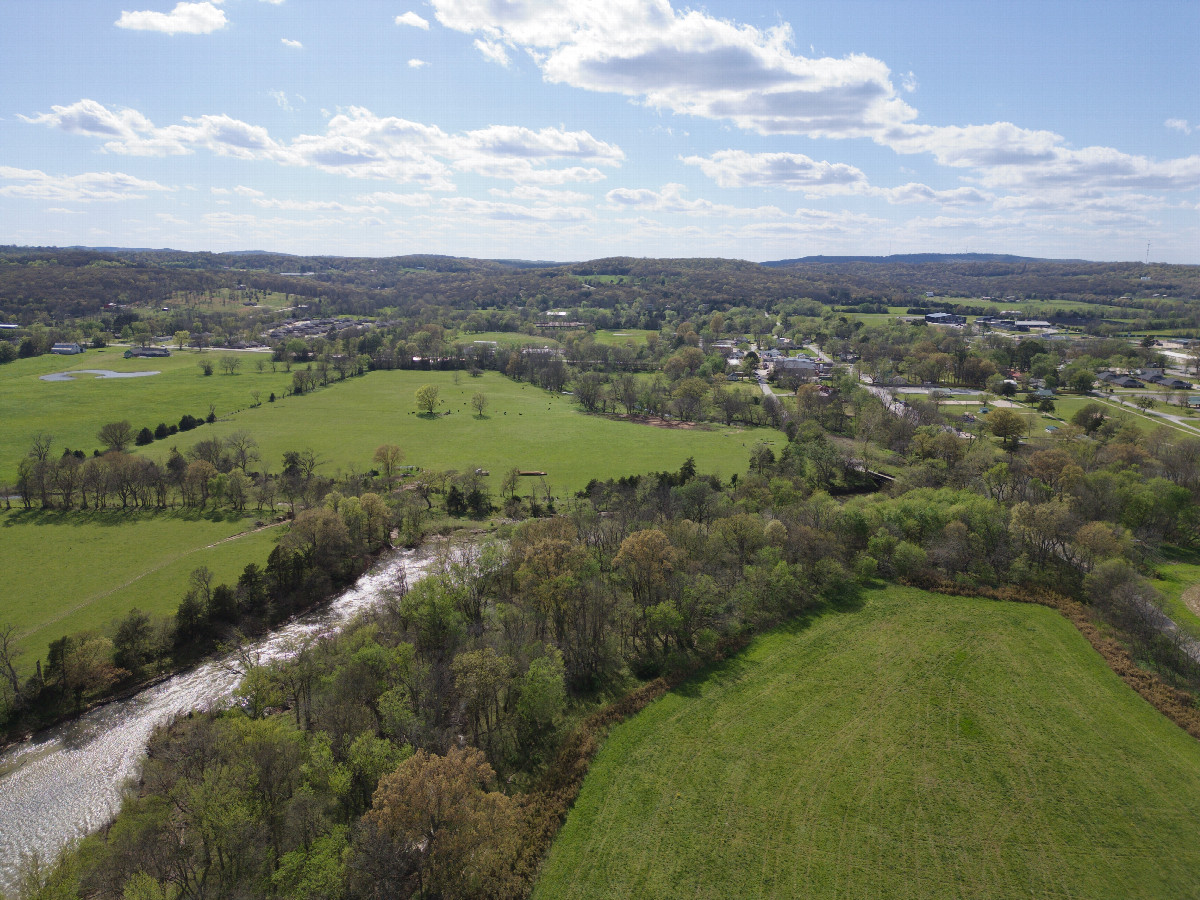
[222, 299]
[604, 279]
[921, 746]
[504, 339]
[65, 572]
[523, 427]
[1065, 407]
[635, 336]
[873, 318]
[73, 411]
[1130, 413]
[1038, 309]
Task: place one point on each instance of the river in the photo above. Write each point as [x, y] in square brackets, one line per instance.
[68, 780]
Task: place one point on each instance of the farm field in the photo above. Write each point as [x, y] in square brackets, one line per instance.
[920, 746]
[89, 569]
[635, 336]
[234, 300]
[73, 411]
[1037, 309]
[504, 339]
[874, 318]
[523, 427]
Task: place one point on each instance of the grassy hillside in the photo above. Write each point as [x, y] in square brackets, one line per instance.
[922, 746]
[105, 562]
[64, 572]
[73, 411]
[523, 426]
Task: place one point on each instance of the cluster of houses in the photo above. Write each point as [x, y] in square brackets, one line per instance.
[776, 360]
[1012, 324]
[803, 366]
[316, 327]
[944, 318]
[1148, 376]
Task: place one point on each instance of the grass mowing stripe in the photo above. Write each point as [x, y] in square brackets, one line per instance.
[923, 746]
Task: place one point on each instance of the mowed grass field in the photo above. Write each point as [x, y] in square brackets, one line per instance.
[69, 571]
[922, 746]
[504, 339]
[523, 427]
[73, 411]
[66, 572]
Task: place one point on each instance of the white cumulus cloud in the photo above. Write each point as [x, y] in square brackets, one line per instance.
[417, 63]
[670, 199]
[412, 19]
[356, 143]
[185, 18]
[492, 50]
[36, 184]
[287, 42]
[688, 62]
[792, 171]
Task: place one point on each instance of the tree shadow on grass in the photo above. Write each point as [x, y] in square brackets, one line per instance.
[736, 664]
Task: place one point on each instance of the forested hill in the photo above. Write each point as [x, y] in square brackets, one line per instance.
[996, 275]
[910, 258]
[62, 284]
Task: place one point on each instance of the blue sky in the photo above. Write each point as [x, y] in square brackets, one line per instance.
[574, 130]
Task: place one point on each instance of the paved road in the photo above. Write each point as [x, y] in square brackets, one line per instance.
[1174, 419]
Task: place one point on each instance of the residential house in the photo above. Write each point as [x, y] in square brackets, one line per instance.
[804, 366]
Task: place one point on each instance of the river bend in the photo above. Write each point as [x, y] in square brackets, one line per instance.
[68, 780]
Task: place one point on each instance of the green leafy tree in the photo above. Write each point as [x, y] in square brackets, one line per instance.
[435, 830]
[427, 399]
[1006, 425]
[389, 457]
[1089, 417]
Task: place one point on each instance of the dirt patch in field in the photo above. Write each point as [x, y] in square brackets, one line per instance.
[1191, 599]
